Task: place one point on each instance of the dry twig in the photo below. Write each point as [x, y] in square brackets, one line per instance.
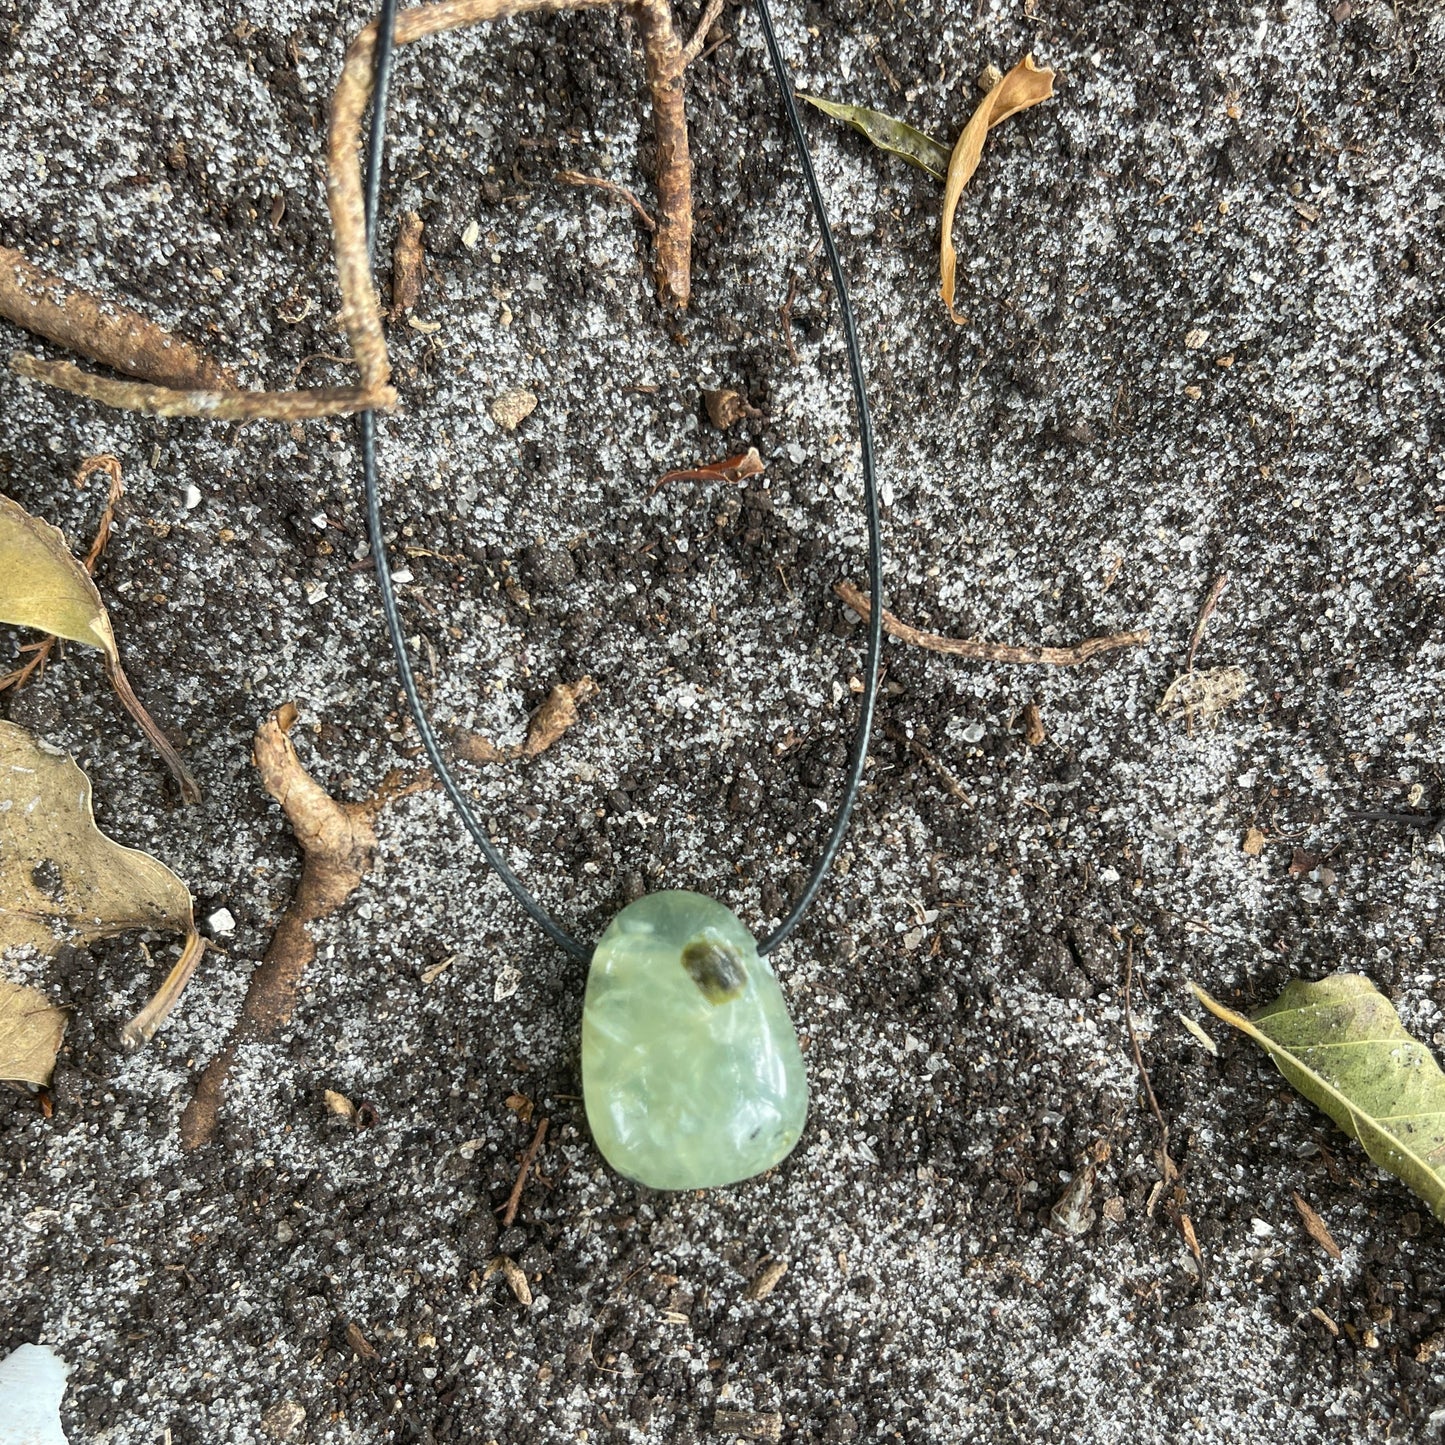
[104, 331]
[186, 387]
[337, 841]
[576, 178]
[1071, 656]
[1168, 1168]
[514, 1200]
[1205, 613]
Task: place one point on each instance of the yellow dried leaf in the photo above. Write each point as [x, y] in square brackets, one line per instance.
[1023, 86]
[63, 881]
[43, 586]
[31, 1028]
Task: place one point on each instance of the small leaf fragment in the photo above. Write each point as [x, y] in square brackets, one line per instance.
[888, 134]
[1341, 1045]
[1023, 86]
[31, 1028]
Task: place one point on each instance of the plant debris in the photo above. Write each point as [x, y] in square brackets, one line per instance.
[337, 841]
[63, 881]
[513, 407]
[556, 715]
[40, 651]
[408, 266]
[514, 1200]
[510, 1271]
[889, 134]
[31, 1028]
[1035, 735]
[1023, 86]
[1341, 1045]
[726, 407]
[1203, 695]
[1315, 1227]
[103, 331]
[729, 469]
[576, 178]
[1071, 656]
[766, 1280]
[44, 587]
[1072, 1214]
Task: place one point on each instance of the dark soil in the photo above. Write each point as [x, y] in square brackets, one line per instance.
[1205, 289]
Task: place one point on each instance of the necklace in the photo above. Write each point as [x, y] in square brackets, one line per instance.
[692, 1076]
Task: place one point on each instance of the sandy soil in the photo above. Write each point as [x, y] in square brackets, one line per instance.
[1205, 291]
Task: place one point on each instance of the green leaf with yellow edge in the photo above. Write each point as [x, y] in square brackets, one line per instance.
[42, 585]
[31, 1028]
[888, 134]
[1341, 1044]
[63, 881]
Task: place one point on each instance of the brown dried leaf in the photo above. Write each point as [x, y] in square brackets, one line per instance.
[556, 715]
[63, 881]
[30, 1032]
[1023, 86]
[729, 469]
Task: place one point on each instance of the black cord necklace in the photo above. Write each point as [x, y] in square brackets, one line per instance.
[692, 1075]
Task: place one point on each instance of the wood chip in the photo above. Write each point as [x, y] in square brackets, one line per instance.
[408, 265]
[513, 407]
[1033, 725]
[747, 1424]
[360, 1345]
[1316, 1228]
[766, 1280]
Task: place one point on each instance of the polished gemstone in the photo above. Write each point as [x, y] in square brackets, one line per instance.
[691, 1069]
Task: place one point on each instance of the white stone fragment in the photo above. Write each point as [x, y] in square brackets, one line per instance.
[32, 1381]
[222, 921]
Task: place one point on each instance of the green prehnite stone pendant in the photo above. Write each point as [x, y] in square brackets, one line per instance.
[691, 1070]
